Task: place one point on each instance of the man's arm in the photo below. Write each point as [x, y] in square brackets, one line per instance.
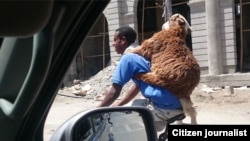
[130, 95]
[111, 95]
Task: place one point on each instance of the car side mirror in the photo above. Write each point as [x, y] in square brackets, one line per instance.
[108, 124]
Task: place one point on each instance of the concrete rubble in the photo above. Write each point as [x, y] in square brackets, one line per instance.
[96, 86]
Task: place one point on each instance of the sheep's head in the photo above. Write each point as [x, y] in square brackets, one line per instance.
[177, 19]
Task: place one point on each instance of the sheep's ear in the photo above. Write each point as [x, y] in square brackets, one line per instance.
[181, 21]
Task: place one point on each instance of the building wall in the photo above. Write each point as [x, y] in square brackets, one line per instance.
[199, 34]
[228, 35]
[120, 13]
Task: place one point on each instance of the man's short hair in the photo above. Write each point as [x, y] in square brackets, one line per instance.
[128, 32]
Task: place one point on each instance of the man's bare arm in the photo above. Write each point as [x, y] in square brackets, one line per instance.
[111, 95]
[129, 96]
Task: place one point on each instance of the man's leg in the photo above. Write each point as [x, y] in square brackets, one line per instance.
[160, 115]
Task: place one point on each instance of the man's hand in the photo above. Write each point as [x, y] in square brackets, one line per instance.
[115, 104]
[111, 95]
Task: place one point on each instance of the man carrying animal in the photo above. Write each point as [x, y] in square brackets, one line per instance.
[162, 102]
[173, 65]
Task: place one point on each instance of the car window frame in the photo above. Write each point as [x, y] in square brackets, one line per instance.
[30, 125]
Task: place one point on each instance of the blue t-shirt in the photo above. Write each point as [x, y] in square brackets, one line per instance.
[131, 64]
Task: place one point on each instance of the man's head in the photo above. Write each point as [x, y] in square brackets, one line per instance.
[123, 37]
[177, 19]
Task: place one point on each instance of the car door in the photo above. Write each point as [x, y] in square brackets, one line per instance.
[39, 41]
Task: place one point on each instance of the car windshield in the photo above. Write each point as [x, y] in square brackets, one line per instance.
[90, 75]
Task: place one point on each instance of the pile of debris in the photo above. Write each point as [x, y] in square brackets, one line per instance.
[96, 86]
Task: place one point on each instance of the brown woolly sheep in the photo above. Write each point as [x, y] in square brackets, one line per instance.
[173, 65]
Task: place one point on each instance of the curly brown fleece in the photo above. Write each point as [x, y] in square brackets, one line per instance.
[173, 66]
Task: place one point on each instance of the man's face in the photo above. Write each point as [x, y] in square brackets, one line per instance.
[119, 44]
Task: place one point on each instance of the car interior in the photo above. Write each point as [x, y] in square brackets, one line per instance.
[39, 39]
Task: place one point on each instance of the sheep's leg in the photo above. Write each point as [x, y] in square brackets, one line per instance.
[188, 109]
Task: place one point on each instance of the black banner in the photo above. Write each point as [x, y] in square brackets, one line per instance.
[209, 132]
